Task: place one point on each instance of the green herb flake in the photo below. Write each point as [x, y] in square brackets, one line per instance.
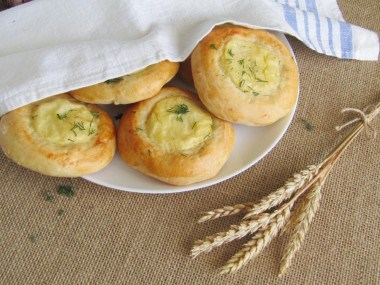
[139, 129]
[149, 152]
[32, 238]
[60, 212]
[230, 53]
[193, 125]
[307, 124]
[64, 115]
[241, 83]
[118, 116]
[48, 196]
[35, 116]
[114, 80]
[95, 113]
[91, 132]
[213, 46]
[66, 190]
[179, 110]
[241, 62]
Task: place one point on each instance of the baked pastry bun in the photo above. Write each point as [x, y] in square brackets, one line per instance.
[130, 88]
[245, 76]
[59, 136]
[173, 138]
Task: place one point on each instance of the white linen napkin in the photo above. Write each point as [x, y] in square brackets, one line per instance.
[52, 46]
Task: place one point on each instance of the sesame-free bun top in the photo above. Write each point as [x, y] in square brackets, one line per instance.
[59, 136]
[244, 75]
[129, 88]
[173, 138]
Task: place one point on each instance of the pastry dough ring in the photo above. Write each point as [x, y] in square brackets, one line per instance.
[130, 88]
[140, 152]
[22, 144]
[223, 97]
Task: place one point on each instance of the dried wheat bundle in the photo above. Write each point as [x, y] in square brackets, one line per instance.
[290, 208]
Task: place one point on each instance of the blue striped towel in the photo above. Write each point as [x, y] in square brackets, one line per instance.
[49, 47]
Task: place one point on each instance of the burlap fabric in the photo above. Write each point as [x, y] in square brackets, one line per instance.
[106, 236]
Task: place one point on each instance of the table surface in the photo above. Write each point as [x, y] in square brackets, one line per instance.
[106, 236]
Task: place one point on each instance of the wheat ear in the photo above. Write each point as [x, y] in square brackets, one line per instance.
[310, 205]
[258, 242]
[235, 232]
[285, 192]
[226, 211]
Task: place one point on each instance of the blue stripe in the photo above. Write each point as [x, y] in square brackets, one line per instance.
[318, 32]
[297, 4]
[306, 23]
[329, 24]
[346, 39]
[311, 6]
[290, 17]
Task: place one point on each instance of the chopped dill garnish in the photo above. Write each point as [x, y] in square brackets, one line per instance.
[139, 129]
[230, 53]
[60, 212]
[307, 124]
[259, 80]
[114, 80]
[193, 125]
[207, 136]
[70, 140]
[213, 46]
[241, 83]
[79, 126]
[66, 190]
[36, 116]
[48, 196]
[254, 93]
[180, 110]
[241, 62]
[118, 116]
[64, 115]
[149, 152]
[91, 132]
[95, 113]
[243, 72]
[184, 154]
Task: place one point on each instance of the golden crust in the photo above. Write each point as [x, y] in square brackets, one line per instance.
[222, 96]
[22, 144]
[131, 88]
[140, 152]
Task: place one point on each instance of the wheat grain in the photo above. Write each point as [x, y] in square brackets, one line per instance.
[225, 211]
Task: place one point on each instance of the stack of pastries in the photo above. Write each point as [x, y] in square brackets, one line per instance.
[241, 75]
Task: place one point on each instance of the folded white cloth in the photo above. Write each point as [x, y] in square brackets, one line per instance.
[52, 46]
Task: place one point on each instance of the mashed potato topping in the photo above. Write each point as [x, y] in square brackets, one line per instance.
[177, 124]
[252, 67]
[63, 122]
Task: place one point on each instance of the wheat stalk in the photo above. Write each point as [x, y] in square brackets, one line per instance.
[303, 189]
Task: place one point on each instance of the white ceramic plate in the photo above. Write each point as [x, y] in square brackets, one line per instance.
[251, 144]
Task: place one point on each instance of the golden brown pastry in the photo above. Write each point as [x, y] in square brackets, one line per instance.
[59, 136]
[173, 138]
[244, 75]
[130, 88]
[184, 71]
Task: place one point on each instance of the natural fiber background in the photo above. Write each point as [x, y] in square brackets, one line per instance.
[107, 236]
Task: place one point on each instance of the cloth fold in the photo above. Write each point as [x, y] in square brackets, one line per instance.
[50, 46]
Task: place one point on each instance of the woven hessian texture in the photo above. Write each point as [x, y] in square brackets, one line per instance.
[106, 236]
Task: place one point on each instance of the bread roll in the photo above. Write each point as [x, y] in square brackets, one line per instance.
[245, 76]
[59, 136]
[130, 88]
[173, 138]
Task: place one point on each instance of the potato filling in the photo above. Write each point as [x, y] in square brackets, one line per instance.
[63, 122]
[177, 124]
[252, 67]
